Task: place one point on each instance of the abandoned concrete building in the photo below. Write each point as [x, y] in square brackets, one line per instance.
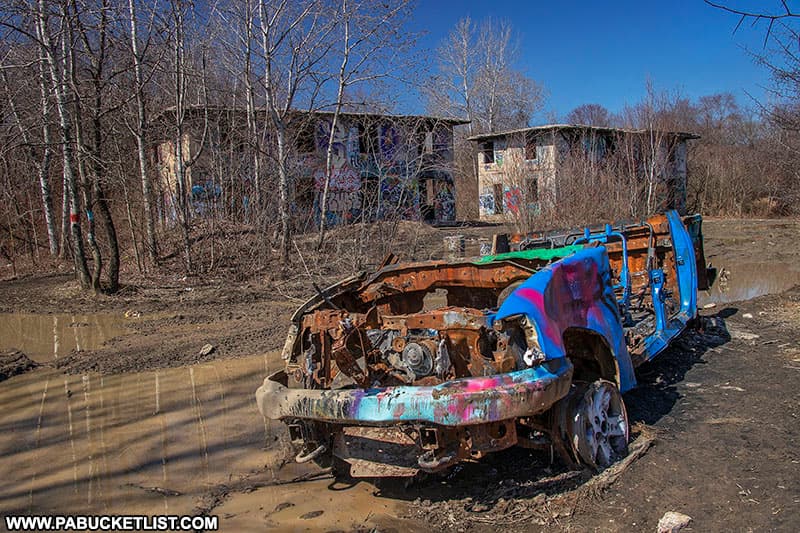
[520, 170]
[384, 166]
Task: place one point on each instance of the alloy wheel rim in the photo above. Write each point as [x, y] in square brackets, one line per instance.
[600, 426]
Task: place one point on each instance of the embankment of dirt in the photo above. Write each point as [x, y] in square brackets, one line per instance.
[13, 363]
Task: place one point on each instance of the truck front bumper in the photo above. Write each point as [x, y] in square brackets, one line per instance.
[460, 402]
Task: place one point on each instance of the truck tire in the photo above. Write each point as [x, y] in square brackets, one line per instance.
[597, 425]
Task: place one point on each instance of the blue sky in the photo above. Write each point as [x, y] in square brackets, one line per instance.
[603, 51]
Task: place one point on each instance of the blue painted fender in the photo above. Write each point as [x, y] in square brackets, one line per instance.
[575, 292]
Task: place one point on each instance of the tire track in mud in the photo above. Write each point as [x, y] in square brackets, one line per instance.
[37, 441]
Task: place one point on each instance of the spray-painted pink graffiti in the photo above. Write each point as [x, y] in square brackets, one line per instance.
[343, 178]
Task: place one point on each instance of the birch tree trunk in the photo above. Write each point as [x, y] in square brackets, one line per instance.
[182, 192]
[71, 189]
[252, 119]
[285, 191]
[43, 166]
[323, 204]
[139, 133]
[64, 245]
[293, 44]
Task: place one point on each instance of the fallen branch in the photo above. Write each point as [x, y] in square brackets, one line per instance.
[531, 504]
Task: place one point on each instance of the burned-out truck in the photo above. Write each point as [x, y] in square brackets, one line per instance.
[418, 366]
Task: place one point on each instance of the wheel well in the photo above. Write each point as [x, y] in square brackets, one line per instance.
[590, 355]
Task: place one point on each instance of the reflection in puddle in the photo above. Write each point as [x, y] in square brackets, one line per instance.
[44, 338]
[739, 282]
[140, 443]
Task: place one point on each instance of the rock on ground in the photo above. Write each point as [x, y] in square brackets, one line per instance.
[207, 349]
[673, 522]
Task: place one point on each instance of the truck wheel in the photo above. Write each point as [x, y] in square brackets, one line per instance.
[598, 424]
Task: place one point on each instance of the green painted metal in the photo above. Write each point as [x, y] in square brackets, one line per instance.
[542, 254]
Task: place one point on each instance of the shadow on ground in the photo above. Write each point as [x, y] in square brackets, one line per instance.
[518, 473]
[656, 393]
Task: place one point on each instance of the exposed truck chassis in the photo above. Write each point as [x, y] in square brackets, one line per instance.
[421, 365]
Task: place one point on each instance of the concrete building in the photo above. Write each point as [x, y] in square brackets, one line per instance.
[384, 166]
[521, 169]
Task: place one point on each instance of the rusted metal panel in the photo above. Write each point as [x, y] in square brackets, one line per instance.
[377, 452]
[383, 381]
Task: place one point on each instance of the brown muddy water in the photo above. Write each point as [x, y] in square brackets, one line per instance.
[163, 442]
[149, 442]
[738, 282]
[45, 338]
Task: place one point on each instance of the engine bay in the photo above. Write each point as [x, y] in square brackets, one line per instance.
[416, 324]
[424, 348]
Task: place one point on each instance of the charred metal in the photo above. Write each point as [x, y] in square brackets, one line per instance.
[421, 365]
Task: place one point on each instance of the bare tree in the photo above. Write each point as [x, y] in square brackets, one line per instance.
[651, 150]
[478, 80]
[294, 41]
[453, 87]
[367, 31]
[91, 81]
[779, 11]
[184, 159]
[139, 133]
[590, 115]
[59, 77]
[42, 165]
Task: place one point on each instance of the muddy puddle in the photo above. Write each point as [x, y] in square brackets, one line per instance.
[739, 282]
[135, 443]
[320, 505]
[45, 338]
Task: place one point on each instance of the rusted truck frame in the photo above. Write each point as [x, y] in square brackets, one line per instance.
[421, 365]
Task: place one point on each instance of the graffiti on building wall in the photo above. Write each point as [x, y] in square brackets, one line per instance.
[399, 197]
[486, 201]
[389, 141]
[344, 178]
[395, 193]
[339, 149]
[445, 203]
[499, 152]
[343, 207]
[343, 202]
[513, 199]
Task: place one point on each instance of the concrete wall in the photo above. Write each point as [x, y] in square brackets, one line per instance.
[382, 167]
[513, 183]
[502, 183]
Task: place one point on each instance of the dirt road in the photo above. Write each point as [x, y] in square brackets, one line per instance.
[125, 415]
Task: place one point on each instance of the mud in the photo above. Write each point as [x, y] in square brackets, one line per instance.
[744, 281]
[178, 339]
[139, 442]
[45, 338]
[143, 423]
[14, 363]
